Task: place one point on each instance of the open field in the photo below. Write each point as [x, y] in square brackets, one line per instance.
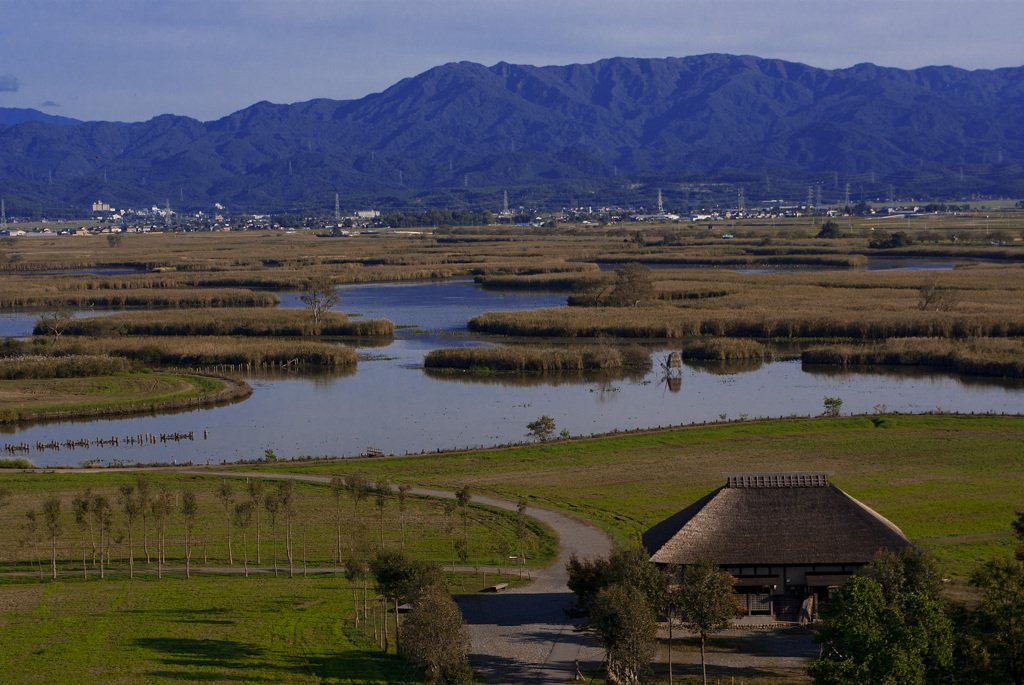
[202, 630]
[429, 530]
[952, 483]
[101, 395]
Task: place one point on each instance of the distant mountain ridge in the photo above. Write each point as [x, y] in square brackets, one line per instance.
[464, 124]
[11, 116]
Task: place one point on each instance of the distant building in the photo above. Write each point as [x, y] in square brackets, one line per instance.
[100, 206]
[789, 539]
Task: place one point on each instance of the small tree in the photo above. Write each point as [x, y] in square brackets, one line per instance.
[357, 490]
[130, 507]
[434, 636]
[226, 495]
[55, 321]
[319, 298]
[338, 488]
[255, 489]
[830, 230]
[144, 494]
[707, 602]
[625, 625]
[80, 505]
[521, 531]
[100, 507]
[832, 407]
[272, 503]
[286, 498]
[1001, 615]
[241, 519]
[189, 510]
[542, 429]
[382, 493]
[403, 490]
[51, 514]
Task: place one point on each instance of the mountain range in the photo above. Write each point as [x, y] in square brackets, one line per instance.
[463, 127]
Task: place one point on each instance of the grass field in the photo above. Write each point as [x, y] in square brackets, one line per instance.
[28, 399]
[202, 630]
[951, 483]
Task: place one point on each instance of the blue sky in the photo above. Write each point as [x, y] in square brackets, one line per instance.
[130, 60]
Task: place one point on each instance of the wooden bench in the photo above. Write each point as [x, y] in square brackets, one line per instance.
[498, 587]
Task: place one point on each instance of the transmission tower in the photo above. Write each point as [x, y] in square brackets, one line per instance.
[3, 216]
[818, 196]
[337, 209]
[504, 206]
[847, 203]
[167, 213]
[661, 208]
[810, 197]
[892, 194]
[740, 200]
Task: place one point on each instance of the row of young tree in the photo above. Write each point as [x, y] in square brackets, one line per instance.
[887, 624]
[146, 508]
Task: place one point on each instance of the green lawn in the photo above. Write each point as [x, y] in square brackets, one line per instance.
[952, 483]
[172, 631]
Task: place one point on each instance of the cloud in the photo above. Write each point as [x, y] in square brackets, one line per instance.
[49, 103]
[9, 84]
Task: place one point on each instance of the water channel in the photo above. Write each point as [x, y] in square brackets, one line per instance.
[391, 403]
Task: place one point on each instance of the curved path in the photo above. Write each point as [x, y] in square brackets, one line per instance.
[519, 636]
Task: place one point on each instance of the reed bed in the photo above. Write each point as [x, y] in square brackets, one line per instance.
[723, 349]
[977, 357]
[69, 366]
[558, 282]
[537, 359]
[820, 322]
[210, 351]
[22, 294]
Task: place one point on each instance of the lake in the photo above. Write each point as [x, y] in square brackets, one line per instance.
[391, 403]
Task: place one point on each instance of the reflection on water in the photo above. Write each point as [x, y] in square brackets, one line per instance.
[727, 367]
[922, 374]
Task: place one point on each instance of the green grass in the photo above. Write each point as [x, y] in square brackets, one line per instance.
[202, 630]
[952, 483]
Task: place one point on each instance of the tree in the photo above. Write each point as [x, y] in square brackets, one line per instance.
[55, 321]
[830, 230]
[242, 518]
[130, 507]
[338, 488]
[144, 494]
[832, 407]
[189, 510]
[617, 598]
[51, 514]
[462, 500]
[357, 490]
[624, 624]
[434, 636]
[403, 490]
[521, 531]
[226, 494]
[1001, 615]
[319, 298]
[286, 498]
[161, 508]
[401, 579]
[100, 507]
[1018, 531]
[382, 492]
[272, 503]
[255, 489]
[542, 429]
[867, 639]
[115, 239]
[80, 506]
[707, 602]
[632, 287]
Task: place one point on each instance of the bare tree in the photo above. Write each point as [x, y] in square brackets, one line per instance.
[319, 298]
[144, 493]
[189, 510]
[130, 506]
[449, 526]
[357, 490]
[101, 512]
[242, 518]
[402, 491]
[338, 488]
[382, 491]
[51, 512]
[254, 486]
[521, 531]
[227, 497]
[55, 322]
[286, 497]
[80, 505]
[272, 503]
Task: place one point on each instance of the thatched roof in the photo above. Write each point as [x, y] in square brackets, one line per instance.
[774, 519]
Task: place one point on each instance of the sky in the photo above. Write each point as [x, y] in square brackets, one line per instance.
[131, 60]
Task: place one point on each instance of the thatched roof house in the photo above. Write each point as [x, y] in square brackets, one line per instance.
[790, 534]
